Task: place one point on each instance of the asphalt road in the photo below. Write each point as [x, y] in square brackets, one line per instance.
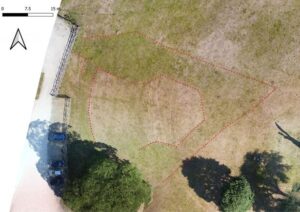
[33, 193]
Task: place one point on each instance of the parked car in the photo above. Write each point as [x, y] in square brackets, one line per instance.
[57, 164]
[55, 172]
[57, 136]
[57, 181]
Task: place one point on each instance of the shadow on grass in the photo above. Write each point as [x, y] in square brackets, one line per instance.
[207, 177]
[264, 171]
[287, 135]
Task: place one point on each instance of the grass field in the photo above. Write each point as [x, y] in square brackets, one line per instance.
[162, 84]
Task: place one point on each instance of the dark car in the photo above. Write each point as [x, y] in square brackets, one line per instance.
[57, 181]
[57, 164]
[57, 136]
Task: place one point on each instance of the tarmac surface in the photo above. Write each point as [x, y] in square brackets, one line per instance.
[33, 193]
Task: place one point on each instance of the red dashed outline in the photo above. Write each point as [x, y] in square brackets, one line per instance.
[214, 136]
[94, 82]
[205, 61]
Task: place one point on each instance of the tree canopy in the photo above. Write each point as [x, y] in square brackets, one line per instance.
[292, 201]
[258, 186]
[238, 197]
[265, 171]
[99, 181]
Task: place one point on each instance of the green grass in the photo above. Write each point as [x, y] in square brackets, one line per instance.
[80, 95]
[128, 56]
[265, 34]
[182, 24]
[134, 58]
[165, 17]
[71, 16]
[179, 22]
[270, 37]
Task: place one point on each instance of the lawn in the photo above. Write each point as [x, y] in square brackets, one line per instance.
[117, 96]
[140, 62]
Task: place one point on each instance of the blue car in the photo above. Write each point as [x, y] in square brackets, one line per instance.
[57, 164]
[56, 136]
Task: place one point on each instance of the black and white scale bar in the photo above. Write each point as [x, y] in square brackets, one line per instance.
[27, 14]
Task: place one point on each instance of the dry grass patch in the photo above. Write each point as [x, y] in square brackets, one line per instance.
[173, 109]
[163, 109]
[261, 37]
[126, 112]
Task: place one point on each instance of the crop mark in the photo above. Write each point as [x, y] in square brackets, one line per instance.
[217, 67]
[189, 55]
[180, 53]
[215, 135]
[180, 140]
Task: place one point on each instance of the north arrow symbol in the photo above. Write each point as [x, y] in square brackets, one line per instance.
[18, 39]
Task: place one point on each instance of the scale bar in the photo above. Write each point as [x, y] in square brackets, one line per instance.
[14, 14]
[27, 14]
[40, 14]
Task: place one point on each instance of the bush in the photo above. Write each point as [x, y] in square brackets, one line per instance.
[238, 197]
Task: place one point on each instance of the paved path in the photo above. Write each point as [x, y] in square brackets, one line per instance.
[33, 193]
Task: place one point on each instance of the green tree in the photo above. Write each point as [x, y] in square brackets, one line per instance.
[238, 197]
[292, 202]
[265, 171]
[99, 181]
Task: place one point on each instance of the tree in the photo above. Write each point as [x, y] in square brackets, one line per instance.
[238, 197]
[99, 181]
[292, 202]
[265, 171]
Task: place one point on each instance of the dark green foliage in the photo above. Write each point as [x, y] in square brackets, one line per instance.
[292, 202]
[265, 171]
[261, 174]
[238, 196]
[99, 181]
[296, 187]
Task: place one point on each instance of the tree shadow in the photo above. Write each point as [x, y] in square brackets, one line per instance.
[287, 135]
[77, 154]
[207, 177]
[264, 171]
